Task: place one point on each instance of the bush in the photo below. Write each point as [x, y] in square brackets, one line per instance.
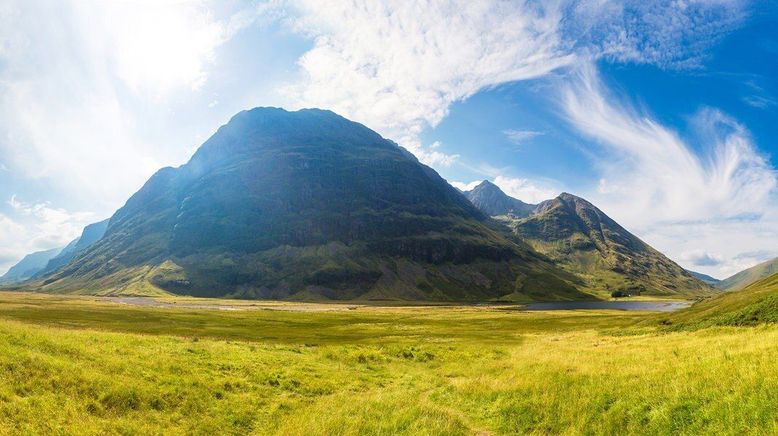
[618, 294]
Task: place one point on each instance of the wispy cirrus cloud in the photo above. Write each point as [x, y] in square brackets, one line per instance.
[669, 34]
[673, 195]
[518, 136]
[657, 170]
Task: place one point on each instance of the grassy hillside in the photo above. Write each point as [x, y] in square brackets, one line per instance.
[74, 365]
[753, 305]
[748, 276]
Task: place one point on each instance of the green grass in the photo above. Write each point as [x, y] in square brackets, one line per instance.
[755, 304]
[79, 366]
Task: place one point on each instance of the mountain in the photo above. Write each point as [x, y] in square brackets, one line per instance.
[490, 199]
[584, 241]
[704, 278]
[307, 205]
[91, 234]
[750, 275]
[754, 304]
[587, 242]
[28, 266]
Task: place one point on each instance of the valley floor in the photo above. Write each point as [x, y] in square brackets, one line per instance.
[85, 366]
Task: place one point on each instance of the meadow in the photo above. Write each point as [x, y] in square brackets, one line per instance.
[83, 365]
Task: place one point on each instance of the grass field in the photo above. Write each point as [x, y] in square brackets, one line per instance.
[84, 366]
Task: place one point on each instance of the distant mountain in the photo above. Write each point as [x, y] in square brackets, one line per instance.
[704, 278]
[490, 199]
[307, 205]
[584, 241]
[28, 266]
[750, 275]
[91, 234]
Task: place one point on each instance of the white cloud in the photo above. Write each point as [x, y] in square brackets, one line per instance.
[671, 34]
[81, 82]
[526, 190]
[521, 136]
[462, 186]
[737, 244]
[397, 67]
[159, 45]
[650, 168]
[701, 258]
[759, 101]
[37, 226]
[677, 199]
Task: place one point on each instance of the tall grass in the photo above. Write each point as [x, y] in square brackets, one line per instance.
[377, 371]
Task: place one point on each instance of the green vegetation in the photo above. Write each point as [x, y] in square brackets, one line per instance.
[754, 305]
[748, 276]
[584, 241]
[81, 365]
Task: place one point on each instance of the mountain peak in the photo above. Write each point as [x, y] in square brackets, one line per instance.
[567, 197]
[491, 200]
[487, 185]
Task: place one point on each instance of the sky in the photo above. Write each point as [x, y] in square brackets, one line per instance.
[662, 113]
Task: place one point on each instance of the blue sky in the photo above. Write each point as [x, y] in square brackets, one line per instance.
[664, 114]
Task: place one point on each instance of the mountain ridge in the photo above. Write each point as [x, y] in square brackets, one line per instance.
[712, 281]
[748, 276]
[30, 265]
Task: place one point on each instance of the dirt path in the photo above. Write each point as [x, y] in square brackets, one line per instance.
[221, 305]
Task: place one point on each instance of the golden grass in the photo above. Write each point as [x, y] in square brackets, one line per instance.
[76, 366]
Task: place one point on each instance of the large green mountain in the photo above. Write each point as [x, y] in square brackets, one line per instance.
[748, 276]
[28, 266]
[307, 204]
[584, 241]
